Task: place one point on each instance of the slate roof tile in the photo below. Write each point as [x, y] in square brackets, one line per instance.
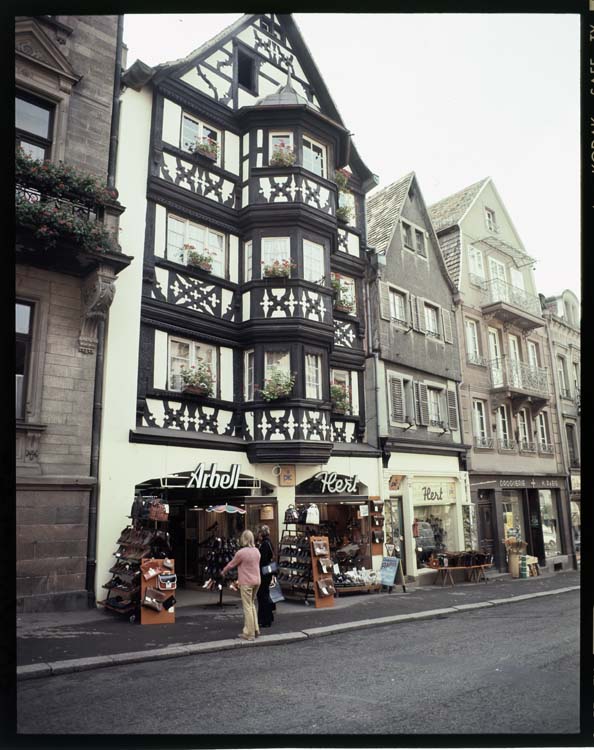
[383, 208]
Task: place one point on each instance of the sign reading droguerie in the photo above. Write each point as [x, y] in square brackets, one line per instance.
[528, 483]
[433, 492]
[212, 479]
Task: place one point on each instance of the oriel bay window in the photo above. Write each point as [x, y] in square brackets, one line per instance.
[281, 152]
[278, 379]
[343, 391]
[248, 376]
[276, 256]
[313, 156]
[195, 245]
[192, 363]
[23, 330]
[345, 293]
[313, 376]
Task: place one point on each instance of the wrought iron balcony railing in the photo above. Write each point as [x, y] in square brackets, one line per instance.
[475, 359]
[528, 446]
[483, 442]
[505, 444]
[34, 196]
[515, 375]
[500, 291]
[546, 448]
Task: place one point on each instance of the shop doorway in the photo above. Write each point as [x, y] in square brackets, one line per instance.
[534, 537]
[394, 525]
[486, 530]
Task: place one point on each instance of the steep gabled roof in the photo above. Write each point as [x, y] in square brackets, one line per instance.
[447, 212]
[383, 209]
[449, 243]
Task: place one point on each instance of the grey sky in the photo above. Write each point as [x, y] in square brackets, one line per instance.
[454, 97]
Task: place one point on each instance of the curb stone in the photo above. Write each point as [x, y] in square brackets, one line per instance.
[34, 671]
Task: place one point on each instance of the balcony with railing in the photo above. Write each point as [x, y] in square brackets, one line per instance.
[545, 448]
[518, 379]
[484, 442]
[511, 304]
[528, 446]
[505, 444]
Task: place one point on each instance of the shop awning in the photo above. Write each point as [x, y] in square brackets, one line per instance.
[226, 508]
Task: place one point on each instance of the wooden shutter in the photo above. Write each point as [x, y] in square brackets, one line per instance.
[420, 305]
[448, 334]
[414, 313]
[452, 410]
[423, 403]
[397, 399]
[384, 297]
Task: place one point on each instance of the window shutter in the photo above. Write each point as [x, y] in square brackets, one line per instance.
[452, 410]
[414, 313]
[423, 402]
[420, 305]
[448, 334]
[397, 399]
[384, 295]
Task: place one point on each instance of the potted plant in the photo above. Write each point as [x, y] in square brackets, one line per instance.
[341, 178]
[339, 395]
[198, 259]
[278, 267]
[207, 147]
[282, 155]
[344, 213]
[197, 379]
[278, 385]
[342, 299]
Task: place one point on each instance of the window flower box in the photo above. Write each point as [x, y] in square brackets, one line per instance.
[196, 259]
[282, 156]
[278, 385]
[344, 214]
[341, 178]
[339, 395]
[207, 147]
[342, 301]
[278, 268]
[197, 379]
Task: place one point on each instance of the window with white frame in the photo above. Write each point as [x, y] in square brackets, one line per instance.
[342, 378]
[523, 430]
[313, 262]
[472, 342]
[313, 376]
[197, 133]
[280, 361]
[476, 265]
[562, 374]
[503, 427]
[195, 245]
[542, 431]
[431, 321]
[479, 424]
[247, 261]
[576, 376]
[434, 397]
[275, 251]
[347, 200]
[420, 243]
[314, 156]
[407, 236]
[23, 347]
[398, 306]
[346, 295]
[248, 375]
[280, 144]
[490, 220]
[533, 354]
[185, 354]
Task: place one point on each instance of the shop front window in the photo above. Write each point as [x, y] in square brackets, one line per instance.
[513, 521]
[576, 527]
[551, 535]
[433, 531]
[470, 527]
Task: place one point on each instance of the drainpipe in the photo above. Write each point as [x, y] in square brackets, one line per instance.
[100, 357]
[562, 436]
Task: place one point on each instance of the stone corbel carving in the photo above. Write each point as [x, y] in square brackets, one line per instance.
[97, 295]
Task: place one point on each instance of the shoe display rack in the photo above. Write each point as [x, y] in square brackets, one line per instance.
[218, 552]
[294, 566]
[141, 540]
[376, 523]
[321, 569]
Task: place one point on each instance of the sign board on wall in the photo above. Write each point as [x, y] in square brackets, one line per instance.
[576, 483]
[394, 483]
[433, 491]
[286, 477]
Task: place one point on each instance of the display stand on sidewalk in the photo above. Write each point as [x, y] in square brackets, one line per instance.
[150, 616]
[321, 570]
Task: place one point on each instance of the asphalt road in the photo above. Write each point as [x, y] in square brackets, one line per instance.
[510, 669]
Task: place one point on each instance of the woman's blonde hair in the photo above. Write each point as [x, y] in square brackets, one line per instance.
[246, 539]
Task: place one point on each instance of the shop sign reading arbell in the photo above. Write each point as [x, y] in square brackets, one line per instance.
[212, 479]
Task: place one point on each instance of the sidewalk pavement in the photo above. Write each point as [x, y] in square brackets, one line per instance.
[61, 642]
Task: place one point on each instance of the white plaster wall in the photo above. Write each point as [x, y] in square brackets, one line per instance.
[121, 351]
[353, 244]
[355, 392]
[233, 258]
[226, 368]
[172, 113]
[160, 360]
[231, 153]
[245, 305]
[160, 231]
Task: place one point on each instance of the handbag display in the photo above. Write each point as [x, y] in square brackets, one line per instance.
[291, 514]
[313, 515]
[154, 599]
[169, 602]
[320, 548]
[151, 569]
[325, 564]
[326, 587]
[302, 516]
[158, 511]
[167, 581]
[378, 537]
[268, 569]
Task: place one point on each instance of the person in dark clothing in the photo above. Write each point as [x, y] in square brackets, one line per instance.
[265, 603]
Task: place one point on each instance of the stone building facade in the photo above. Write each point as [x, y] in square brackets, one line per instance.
[67, 259]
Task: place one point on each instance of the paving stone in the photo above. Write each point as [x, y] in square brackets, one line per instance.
[476, 605]
[32, 671]
[79, 665]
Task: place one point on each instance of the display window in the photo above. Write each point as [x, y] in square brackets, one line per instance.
[576, 527]
[551, 533]
[433, 531]
[470, 527]
[513, 518]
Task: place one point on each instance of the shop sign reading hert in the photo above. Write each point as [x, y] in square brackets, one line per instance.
[429, 491]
